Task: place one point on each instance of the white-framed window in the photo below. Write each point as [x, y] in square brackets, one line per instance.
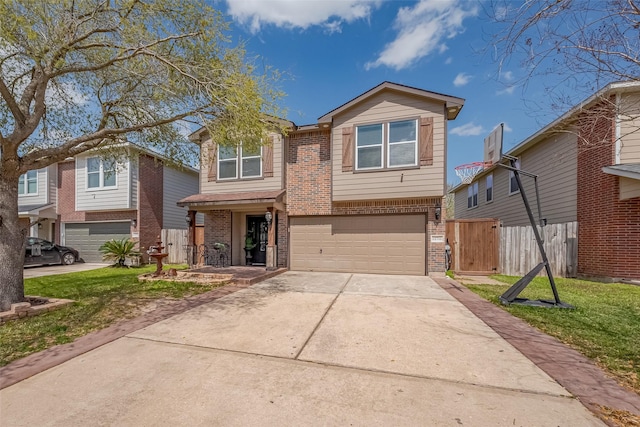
[489, 188]
[101, 173]
[28, 183]
[513, 184]
[238, 162]
[391, 145]
[472, 195]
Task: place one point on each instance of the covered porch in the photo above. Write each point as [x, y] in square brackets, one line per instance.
[240, 229]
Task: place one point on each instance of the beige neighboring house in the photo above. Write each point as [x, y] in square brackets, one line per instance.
[588, 167]
[360, 190]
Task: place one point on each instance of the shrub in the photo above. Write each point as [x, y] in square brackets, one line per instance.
[118, 251]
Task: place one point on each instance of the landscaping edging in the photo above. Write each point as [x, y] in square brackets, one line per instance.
[26, 309]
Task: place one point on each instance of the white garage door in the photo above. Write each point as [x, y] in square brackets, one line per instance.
[389, 244]
[88, 237]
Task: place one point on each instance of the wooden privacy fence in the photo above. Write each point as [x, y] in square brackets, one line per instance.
[519, 252]
[175, 240]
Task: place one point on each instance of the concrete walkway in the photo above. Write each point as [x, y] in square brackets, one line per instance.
[50, 270]
[304, 349]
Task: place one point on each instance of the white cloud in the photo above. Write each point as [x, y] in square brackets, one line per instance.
[422, 30]
[448, 61]
[461, 79]
[469, 129]
[506, 128]
[299, 14]
[507, 90]
[507, 76]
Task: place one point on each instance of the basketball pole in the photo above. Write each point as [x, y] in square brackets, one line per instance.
[511, 294]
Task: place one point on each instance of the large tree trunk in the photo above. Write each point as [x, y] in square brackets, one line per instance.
[12, 243]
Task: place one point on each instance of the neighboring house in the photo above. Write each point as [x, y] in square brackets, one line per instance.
[358, 191]
[588, 167]
[84, 201]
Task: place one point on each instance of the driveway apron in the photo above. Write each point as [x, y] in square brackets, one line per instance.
[304, 349]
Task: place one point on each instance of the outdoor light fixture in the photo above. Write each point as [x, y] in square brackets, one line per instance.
[268, 216]
[134, 223]
[39, 226]
[438, 212]
[187, 219]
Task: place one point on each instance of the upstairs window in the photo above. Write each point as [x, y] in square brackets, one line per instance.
[513, 184]
[472, 195]
[28, 183]
[234, 163]
[489, 188]
[391, 145]
[101, 173]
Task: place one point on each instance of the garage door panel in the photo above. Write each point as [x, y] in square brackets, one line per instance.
[88, 237]
[368, 244]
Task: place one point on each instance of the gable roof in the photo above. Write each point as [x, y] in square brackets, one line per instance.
[452, 103]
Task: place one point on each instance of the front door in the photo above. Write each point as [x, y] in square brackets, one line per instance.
[257, 235]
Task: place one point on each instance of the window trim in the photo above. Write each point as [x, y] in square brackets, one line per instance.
[385, 146]
[472, 195]
[487, 188]
[239, 171]
[25, 184]
[101, 174]
[512, 177]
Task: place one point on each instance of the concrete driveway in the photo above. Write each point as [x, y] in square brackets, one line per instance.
[304, 349]
[50, 270]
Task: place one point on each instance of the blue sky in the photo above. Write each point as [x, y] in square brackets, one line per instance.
[334, 50]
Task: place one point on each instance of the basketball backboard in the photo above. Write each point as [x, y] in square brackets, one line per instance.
[493, 145]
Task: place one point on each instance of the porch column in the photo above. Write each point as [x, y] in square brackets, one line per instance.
[272, 250]
[191, 237]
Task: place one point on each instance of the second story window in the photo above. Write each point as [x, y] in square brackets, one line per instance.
[239, 163]
[513, 184]
[28, 183]
[100, 173]
[489, 186]
[472, 195]
[392, 144]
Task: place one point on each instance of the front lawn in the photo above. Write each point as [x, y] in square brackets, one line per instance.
[102, 297]
[605, 326]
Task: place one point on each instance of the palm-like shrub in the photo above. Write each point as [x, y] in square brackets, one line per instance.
[118, 251]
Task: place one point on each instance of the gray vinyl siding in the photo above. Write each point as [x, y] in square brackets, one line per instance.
[630, 129]
[102, 199]
[241, 185]
[629, 188]
[418, 182]
[52, 183]
[177, 185]
[42, 195]
[554, 160]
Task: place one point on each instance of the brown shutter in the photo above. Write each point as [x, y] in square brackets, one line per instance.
[267, 158]
[212, 157]
[426, 141]
[347, 149]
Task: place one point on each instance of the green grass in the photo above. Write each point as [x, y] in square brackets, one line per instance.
[605, 325]
[102, 297]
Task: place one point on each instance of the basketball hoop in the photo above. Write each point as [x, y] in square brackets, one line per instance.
[468, 171]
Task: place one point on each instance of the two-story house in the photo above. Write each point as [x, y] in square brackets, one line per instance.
[84, 201]
[588, 167]
[359, 191]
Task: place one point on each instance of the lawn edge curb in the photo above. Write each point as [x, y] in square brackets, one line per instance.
[28, 366]
[572, 370]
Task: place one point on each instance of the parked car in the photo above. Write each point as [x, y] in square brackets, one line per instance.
[40, 251]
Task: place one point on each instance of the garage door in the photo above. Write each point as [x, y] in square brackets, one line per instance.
[88, 237]
[361, 244]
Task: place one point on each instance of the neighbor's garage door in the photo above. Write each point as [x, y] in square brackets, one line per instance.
[360, 244]
[88, 237]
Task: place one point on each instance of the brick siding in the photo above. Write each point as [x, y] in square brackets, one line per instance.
[608, 228]
[283, 243]
[150, 200]
[217, 227]
[308, 173]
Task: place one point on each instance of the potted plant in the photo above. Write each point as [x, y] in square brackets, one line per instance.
[249, 244]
